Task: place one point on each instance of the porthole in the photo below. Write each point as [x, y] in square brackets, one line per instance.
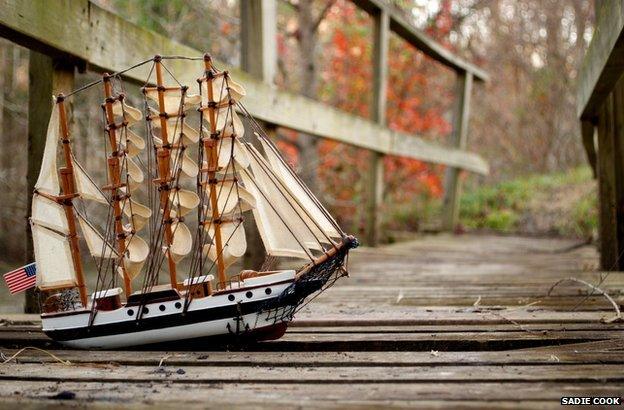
[231, 298]
[268, 291]
[145, 310]
[249, 294]
[162, 308]
[178, 305]
[130, 312]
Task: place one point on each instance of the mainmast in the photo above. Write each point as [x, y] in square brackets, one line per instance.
[114, 170]
[66, 199]
[164, 177]
[211, 150]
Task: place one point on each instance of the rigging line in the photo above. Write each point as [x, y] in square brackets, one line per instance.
[221, 132]
[283, 191]
[171, 74]
[293, 174]
[91, 84]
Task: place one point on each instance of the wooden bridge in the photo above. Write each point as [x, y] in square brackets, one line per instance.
[462, 321]
[466, 321]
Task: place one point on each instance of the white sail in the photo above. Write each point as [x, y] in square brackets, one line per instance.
[134, 145]
[279, 238]
[55, 266]
[183, 201]
[132, 115]
[135, 174]
[137, 252]
[49, 214]
[222, 90]
[174, 131]
[228, 122]
[230, 195]
[98, 246]
[137, 213]
[48, 180]
[172, 99]
[314, 215]
[182, 243]
[85, 186]
[231, 149]
[211, 251]
[232, 236]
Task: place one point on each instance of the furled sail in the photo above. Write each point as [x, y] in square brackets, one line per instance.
[48, 180]
[55, 266]
[309, 207]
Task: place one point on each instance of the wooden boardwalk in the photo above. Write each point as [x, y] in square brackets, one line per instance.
[441, 321]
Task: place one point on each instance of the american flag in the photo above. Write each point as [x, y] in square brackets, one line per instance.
[22, 278]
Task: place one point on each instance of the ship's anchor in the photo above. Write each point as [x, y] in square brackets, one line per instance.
[239, 319]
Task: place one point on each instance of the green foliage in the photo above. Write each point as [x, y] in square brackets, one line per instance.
[561, 203]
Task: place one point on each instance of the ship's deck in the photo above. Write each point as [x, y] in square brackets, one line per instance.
[460, 321]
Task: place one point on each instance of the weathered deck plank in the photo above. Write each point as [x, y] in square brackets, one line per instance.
[461, 322]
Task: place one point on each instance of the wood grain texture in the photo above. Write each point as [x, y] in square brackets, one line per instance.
[375, 340]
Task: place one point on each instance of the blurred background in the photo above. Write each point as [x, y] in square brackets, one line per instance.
[523, 121]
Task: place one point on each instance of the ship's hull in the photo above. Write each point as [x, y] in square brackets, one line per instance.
[255, 312]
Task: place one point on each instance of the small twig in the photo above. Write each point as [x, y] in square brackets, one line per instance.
[618, 315]
[477, 302]
[52, 355]
[165, 357]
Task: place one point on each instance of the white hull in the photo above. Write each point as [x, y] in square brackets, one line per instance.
[166, 321]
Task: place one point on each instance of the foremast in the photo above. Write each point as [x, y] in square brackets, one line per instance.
[114, 170]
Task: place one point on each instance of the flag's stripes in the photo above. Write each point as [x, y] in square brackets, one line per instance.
[22, 278]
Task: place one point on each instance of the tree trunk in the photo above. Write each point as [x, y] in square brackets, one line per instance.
[308, 144]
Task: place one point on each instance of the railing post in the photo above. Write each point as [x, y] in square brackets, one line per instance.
[607, 186]
[46, 77]
[375, 176]
[452, 184]
[258, 58]
[259, 38]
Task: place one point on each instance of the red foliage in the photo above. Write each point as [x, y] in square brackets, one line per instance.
[347, 81]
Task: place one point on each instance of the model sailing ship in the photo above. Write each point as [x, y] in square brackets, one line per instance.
[139, 298]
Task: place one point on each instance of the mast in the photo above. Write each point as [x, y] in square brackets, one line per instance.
[211, 149]
[69, 193]
[114, 170]
[164, 177]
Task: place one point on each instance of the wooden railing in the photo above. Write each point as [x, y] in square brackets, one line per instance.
[600, 107]
[67, 34]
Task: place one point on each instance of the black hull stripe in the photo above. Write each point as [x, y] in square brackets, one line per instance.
[162, 322]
